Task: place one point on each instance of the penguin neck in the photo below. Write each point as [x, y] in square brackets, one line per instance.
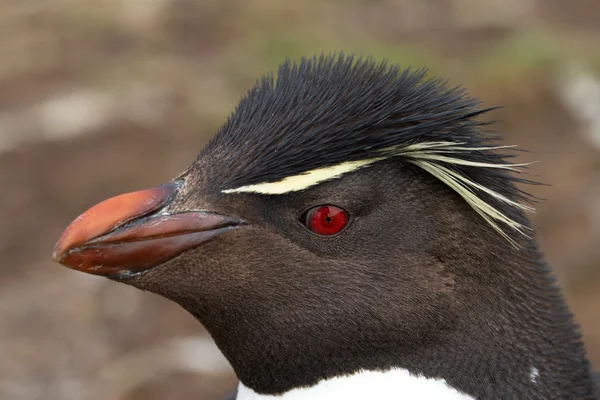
[513, 337]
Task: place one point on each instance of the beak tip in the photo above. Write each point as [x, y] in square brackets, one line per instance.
[57, 256]
[61, 248]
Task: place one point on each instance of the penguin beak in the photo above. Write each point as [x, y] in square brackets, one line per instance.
[133, 232]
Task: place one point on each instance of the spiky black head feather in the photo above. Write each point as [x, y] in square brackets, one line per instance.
[333, 109]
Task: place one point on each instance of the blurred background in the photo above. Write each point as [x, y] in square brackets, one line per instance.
[103, 97]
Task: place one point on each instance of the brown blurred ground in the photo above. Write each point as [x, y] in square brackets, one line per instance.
[97, 98]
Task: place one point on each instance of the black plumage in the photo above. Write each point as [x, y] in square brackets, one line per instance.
[417, 280]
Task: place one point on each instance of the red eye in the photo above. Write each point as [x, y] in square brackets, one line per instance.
[326, 220]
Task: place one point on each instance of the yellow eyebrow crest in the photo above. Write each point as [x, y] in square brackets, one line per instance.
[432, 157]
[304, 180]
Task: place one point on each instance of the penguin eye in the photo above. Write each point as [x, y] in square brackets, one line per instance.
[326, 220]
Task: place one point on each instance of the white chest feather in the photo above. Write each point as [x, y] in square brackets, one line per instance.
[380, 385]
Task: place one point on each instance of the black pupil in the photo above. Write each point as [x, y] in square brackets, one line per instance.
[328, 219]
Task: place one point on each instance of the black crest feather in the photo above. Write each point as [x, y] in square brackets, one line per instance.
[331, 109]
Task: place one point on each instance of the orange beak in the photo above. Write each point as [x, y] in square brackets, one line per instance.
[131, 233]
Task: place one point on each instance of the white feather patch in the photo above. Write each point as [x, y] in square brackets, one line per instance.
[381, 385]
[304, 180]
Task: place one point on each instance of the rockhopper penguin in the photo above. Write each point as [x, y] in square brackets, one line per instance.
[351, 232]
